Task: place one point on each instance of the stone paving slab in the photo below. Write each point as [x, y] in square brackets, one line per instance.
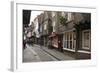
[38, 53]
[30, 56]
[57, 54]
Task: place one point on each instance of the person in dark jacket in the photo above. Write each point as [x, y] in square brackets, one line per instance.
[24, 42]
[49, 44]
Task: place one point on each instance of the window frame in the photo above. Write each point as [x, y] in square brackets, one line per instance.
[65, 39]
[83, 47]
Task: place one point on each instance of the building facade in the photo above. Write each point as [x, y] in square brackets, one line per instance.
[77, 34]
[73, 31]
[68, 31]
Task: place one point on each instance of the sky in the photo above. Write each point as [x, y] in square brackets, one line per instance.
[34, 15]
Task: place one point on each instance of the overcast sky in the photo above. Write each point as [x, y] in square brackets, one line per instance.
[34, 15]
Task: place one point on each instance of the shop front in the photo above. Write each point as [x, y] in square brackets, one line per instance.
[56, 40]
[69, 41]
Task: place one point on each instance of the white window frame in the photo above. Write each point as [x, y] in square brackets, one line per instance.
[53, 14]
[83, 47]
[73, 45]
[45, 26]
[69, 16]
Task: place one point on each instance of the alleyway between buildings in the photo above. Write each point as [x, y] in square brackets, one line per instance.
[37, 53]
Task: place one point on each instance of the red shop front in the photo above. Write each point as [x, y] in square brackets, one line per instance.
[55, 39]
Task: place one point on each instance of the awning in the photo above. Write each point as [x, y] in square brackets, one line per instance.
[53, 34]
[69, 30]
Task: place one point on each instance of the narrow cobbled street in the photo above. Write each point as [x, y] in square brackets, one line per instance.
[39, 53]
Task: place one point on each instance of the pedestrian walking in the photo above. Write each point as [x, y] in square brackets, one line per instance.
[60, 46]
[49, 44]
[24, 42]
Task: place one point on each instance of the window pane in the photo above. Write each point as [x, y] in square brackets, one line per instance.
[74, 40]
[70, 36]
[70, 44]
[69, 16]
[86, 39]
[67, 36]
[67, 44]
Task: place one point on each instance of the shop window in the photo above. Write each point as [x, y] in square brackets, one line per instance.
[86, 39]
[69, 40]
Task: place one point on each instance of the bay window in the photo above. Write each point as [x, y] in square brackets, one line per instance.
[69, 41]
[86, 39]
